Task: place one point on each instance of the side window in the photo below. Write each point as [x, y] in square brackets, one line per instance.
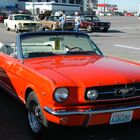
[11, 17]
[82, 18]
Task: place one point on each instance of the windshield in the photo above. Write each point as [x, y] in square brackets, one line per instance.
[42, 45]
[54, 18]
[23, 17]
[91, 18]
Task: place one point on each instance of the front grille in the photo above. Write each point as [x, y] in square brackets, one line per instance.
[109, 92]
[29, 24]
[69, 24]
[101, 24]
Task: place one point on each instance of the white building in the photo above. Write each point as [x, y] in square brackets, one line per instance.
[36, 7]
[70, 6]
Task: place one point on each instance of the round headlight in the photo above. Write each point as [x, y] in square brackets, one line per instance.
[19, 24]
[61, 94]
[92, 94]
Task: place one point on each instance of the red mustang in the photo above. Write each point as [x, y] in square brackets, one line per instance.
[93, 23]
[64, 78]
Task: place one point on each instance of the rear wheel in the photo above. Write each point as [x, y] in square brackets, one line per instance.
[53, 27]
[105, 29]
[42, 29]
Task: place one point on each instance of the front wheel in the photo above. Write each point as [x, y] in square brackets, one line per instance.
[42, 29]
[53, 27]
[7, 28]
[89, 28]
[35, 114]
[16, 29]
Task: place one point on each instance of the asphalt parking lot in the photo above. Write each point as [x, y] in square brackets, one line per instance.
[122, 40]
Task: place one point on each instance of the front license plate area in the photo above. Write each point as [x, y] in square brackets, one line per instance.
[121, 117]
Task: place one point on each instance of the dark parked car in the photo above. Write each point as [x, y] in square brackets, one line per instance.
[2, 17]
[92, 23]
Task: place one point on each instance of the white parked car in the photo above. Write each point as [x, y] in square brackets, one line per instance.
[21, 22]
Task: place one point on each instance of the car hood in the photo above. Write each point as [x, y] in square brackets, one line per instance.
[89, 70]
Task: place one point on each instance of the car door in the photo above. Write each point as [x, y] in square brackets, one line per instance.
[9, 66]
[11, 22]
[52, 21]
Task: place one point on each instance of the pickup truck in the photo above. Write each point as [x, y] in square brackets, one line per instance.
[21, 22]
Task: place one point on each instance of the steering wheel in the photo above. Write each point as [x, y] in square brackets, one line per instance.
[75, 48]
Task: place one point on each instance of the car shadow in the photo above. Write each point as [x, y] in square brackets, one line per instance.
[103, 132]
[109, 31]
[13, 119]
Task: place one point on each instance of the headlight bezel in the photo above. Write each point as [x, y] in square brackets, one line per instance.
[61, 94]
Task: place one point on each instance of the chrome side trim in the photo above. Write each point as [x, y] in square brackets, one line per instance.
[89, 111]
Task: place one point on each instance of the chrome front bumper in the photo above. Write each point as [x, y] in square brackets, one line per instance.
[89, 111]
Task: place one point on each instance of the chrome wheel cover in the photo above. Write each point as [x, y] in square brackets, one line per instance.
[35, 117]
[89, 28]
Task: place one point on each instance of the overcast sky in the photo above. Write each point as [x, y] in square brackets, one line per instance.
[130, 5]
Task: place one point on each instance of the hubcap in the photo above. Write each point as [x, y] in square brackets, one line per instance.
[35, 117]
[89, 28]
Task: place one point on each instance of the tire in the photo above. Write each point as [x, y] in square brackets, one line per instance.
[36, 119]
[53, 27]
[16, 29]
[7, 28]
[89, 28]
[105, 30]
[42, 29]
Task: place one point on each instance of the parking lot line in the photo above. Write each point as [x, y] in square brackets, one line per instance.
[128, 47]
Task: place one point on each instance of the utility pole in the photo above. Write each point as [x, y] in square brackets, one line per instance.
[33, 4]
[104, 6]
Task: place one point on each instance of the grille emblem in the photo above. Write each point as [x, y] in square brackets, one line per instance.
[125, 92]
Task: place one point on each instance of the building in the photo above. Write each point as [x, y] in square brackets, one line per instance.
[70, 6]
[37, 7]
[89, 6]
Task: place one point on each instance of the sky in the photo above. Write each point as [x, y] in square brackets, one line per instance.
[129, 5]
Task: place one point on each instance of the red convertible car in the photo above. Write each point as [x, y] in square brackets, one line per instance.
[64, 78]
